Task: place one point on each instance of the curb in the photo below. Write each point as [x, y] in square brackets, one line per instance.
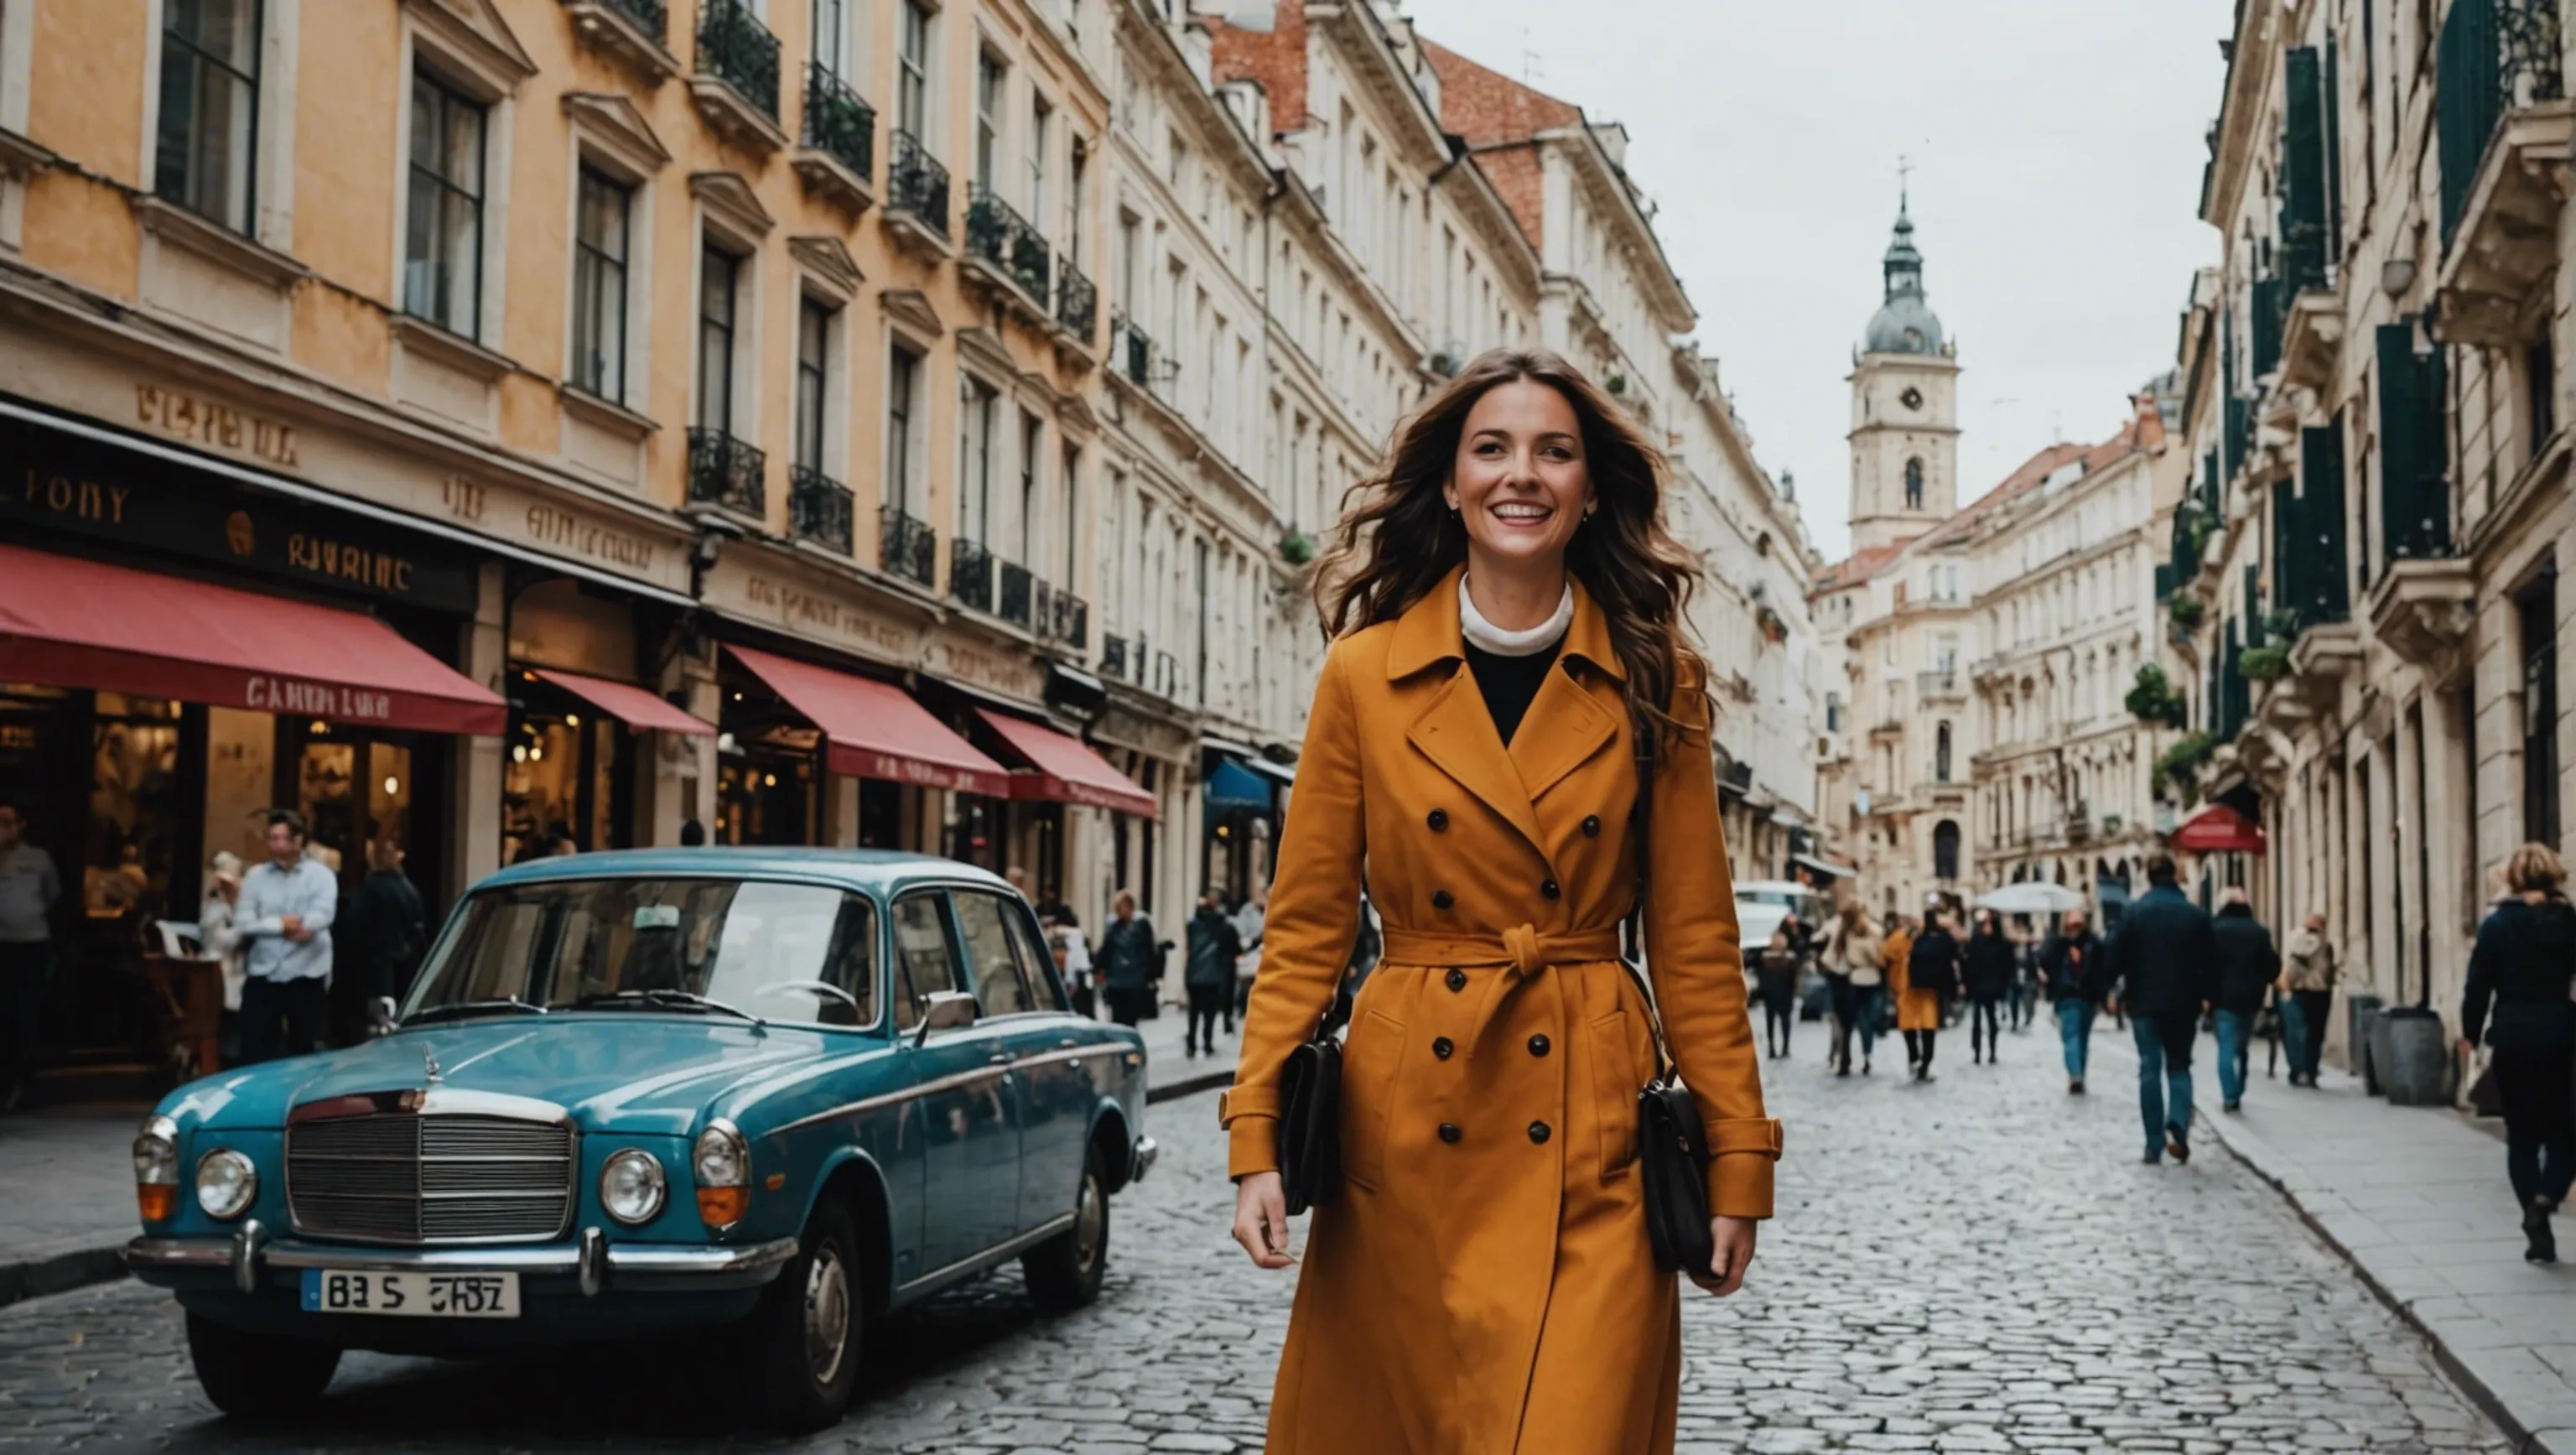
[37, 1277]
[1190, 1086]
[2524, 1438]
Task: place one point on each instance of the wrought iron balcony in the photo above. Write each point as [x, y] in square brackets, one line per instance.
[1018, 590]
[1072, 622]
[735, 48]
[1077, 301]
[917, 185]
[727, 472]
[970, 574]
[1113, 656]
[997, 235]
[2494, 57]
[1134, 355]
[907, 546]
[838, 123]
[818, 508]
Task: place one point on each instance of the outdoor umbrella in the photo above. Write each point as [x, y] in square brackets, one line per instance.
[2035, 897]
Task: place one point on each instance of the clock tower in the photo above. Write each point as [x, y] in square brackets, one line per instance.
[1905, 409]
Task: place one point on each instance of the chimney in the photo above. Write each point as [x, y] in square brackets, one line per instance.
[2150, 423]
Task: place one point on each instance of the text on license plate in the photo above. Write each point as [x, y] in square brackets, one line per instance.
[414, 1295]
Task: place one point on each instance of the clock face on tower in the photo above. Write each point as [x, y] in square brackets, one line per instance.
[1912, 398]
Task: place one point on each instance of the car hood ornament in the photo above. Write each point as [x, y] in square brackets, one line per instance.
[429, 1063]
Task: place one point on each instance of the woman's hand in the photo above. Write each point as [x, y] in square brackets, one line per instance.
[1734, 1240]
[1261, 1220]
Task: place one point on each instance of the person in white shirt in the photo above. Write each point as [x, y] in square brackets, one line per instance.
[284, 916]
[29, 886]
[217, 937]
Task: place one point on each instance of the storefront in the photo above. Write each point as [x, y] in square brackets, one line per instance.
[594, 745]
[1240, 791]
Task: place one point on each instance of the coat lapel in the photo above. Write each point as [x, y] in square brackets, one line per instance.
[1455, 731]
[1564, 727]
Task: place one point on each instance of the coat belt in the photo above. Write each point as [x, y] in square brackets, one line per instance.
[1521, 947]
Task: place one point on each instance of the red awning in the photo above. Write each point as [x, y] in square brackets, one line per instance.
[875, 729]
[67, 622]
[629, 704]
[2218, 829]
[1067, 770]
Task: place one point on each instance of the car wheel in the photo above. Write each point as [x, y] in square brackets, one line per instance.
[804, 1339]
[1064, 1272]
[258, 1376]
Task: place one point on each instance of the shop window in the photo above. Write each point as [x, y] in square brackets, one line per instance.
[443, 232]
[600, 225]
[208, 128]
[567, 786]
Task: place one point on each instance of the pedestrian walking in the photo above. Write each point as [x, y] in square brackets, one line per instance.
[218, 939]
[1130, 960]
[2022, 1004]
[1207, 975]
[1776, 975]
[30, 887]
[1987, 968]
[2517, 1001]
[2247, 966]
[1853, 983]
[2164, 957]
[1508, 671]
[1928, 975]
[2308, 973]
[1894, 948]
[2070, 968]
[1072, 957]
[382, 932]
[1248, 919]
[288, 902]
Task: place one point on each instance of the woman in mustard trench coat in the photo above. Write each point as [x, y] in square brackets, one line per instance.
[1482, 1283]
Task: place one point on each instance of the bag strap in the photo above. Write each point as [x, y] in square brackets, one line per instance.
[1641, 830]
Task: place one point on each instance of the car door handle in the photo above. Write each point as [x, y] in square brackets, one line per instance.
[1000, 1058]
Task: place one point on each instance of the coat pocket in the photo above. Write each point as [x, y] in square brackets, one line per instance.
[1372, 1058]
[1615, 1083]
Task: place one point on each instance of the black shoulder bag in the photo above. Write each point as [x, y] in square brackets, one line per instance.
[1310, 1116]
[1672, 1141]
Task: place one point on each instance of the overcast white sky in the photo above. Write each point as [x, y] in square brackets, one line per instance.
[2057, 149]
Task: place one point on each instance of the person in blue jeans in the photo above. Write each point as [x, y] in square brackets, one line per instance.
[2070, 971]
[2247, 966]
[2163, 959]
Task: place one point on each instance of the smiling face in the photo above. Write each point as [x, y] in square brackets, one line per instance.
[1520, 483]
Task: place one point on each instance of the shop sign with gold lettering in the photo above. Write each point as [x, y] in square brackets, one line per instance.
[834, 621]
[63, 482]
[1009, 671]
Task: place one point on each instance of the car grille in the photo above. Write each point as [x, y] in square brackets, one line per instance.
[399, 1177]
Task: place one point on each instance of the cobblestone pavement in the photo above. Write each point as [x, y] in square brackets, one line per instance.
[1975, 1265]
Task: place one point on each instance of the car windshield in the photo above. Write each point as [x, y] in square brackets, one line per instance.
[778, 951]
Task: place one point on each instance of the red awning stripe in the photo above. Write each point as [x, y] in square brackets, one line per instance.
[875, 730]
[1067, 770]
[627, 703]
[2218, 829]
[68, 622]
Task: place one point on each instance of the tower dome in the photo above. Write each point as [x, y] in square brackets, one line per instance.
[1905, 323]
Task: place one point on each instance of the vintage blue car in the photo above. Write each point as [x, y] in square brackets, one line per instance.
[785, 1091]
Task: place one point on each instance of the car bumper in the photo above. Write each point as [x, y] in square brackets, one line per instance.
[250, 1256]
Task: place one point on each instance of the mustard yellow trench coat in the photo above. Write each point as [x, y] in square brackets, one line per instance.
[1483, 1283]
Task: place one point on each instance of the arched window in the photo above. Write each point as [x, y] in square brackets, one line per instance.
[1914, 483]
[1945, 850]
[1941, 754]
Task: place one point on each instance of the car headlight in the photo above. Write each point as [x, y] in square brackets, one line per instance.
[721, 1166]
[227, 1184]
[632, 1187]
[156, 1169]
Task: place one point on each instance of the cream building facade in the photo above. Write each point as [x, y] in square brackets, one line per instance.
[2372, 610]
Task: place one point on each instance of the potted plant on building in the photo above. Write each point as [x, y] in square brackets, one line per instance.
[2153, 701]
[2187, 611]
[2180, 763]
[2264, 663]
[1296, 547]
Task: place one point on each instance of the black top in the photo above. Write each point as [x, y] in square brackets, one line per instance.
[2164, 955]
[1510, 684]
[2521, 967]
[2247, 961]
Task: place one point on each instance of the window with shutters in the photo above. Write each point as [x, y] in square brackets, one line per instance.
[2414, 450]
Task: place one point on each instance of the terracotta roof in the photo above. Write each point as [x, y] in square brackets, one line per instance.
[2033, 473]
[1487, 107]
[1857, 567]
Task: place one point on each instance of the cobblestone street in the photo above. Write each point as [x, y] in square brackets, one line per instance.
[1979, 1264]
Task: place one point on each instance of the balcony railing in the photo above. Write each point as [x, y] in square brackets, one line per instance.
[735, 48]
[906, 546]
[818, 508]
[650, 16]
[996, 233]
[1113, 656]
[1077, 301]
[1019, 589]
[727, 472]
[837, 122]
[916, 183]
[970, 574]
[1937, 684]
[1071, 622]
[1133, 353]
[2494, 56]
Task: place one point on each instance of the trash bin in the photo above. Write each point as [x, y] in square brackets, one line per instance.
[2415, 1068]
[2363, 1009]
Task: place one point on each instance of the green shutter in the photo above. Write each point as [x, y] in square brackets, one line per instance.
[2468, 101]
[2330, 98]
[2270, 304]
[2253, 606]
[2285, 531]
[2414, 454]
[2314, 583]
[2303, 172]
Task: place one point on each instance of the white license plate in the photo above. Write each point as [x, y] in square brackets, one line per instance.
[412, 1295]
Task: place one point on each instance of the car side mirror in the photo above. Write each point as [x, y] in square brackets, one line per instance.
[946, 1010]
[380, 1015]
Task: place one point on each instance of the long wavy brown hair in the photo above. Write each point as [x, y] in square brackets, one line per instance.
[1398, 537]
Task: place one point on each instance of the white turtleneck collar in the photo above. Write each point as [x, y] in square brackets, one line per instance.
[1484, 636]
